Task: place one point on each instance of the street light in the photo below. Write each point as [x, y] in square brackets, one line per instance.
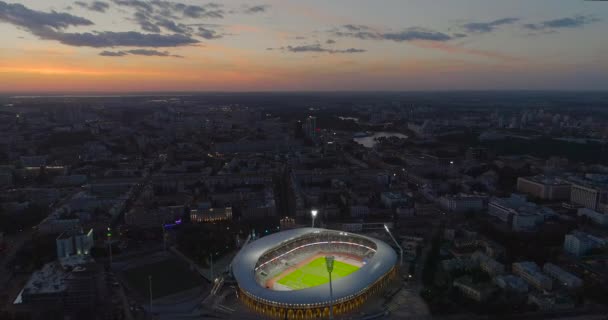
[329, 263]
[314, 215]
[396, 243]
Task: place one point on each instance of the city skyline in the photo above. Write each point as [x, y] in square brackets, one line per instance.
[143, 46]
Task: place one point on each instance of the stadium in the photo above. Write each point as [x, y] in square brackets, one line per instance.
[284, 275]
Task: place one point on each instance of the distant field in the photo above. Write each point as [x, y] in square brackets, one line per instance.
[168, 277]
[315, 273]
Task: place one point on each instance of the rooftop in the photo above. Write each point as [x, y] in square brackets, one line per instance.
[521, 205]
[590, 180]
[582, 236]
[49, 279]
[547, 180]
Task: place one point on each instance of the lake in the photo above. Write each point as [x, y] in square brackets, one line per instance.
[369, 141]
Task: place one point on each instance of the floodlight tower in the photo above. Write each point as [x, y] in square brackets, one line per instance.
[329, 263]
[313, 213]
[396, 243]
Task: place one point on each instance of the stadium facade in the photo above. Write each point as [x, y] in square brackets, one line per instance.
[264, 259]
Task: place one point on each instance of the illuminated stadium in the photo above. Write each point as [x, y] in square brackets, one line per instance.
[284, 275]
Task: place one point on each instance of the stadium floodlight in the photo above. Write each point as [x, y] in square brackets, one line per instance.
[313, 213]
[329, 262]
[396, 243]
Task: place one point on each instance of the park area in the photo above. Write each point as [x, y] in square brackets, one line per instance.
[169, 277]
[315, 273]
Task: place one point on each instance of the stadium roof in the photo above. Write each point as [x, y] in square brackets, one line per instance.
[244, 263]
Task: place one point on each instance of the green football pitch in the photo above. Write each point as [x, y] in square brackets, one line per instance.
[315, 273]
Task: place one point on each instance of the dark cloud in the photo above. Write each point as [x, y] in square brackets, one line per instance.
[570, 22]
[113, 53]
[193, 11]
[363, 35]
[145, 22]
[256, 9]
[19, 15]
[98, 6]
[202, 12]
[213, 5]
[409, 34]
[173, 9]
[118, 39]
[156, 15]
[137, 4]
[154, 24]
[172, 26]
[355, 27]
[212, 14]
[416, 34]
[485, 27]
[318, 48]
[51, 25]
[349, 50]
[148, 52]
[208, 34]
[139, 52]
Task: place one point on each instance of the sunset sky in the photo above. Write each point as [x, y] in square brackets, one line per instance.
[279, 45]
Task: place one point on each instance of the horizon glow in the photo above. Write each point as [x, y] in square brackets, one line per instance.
[279, 45]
